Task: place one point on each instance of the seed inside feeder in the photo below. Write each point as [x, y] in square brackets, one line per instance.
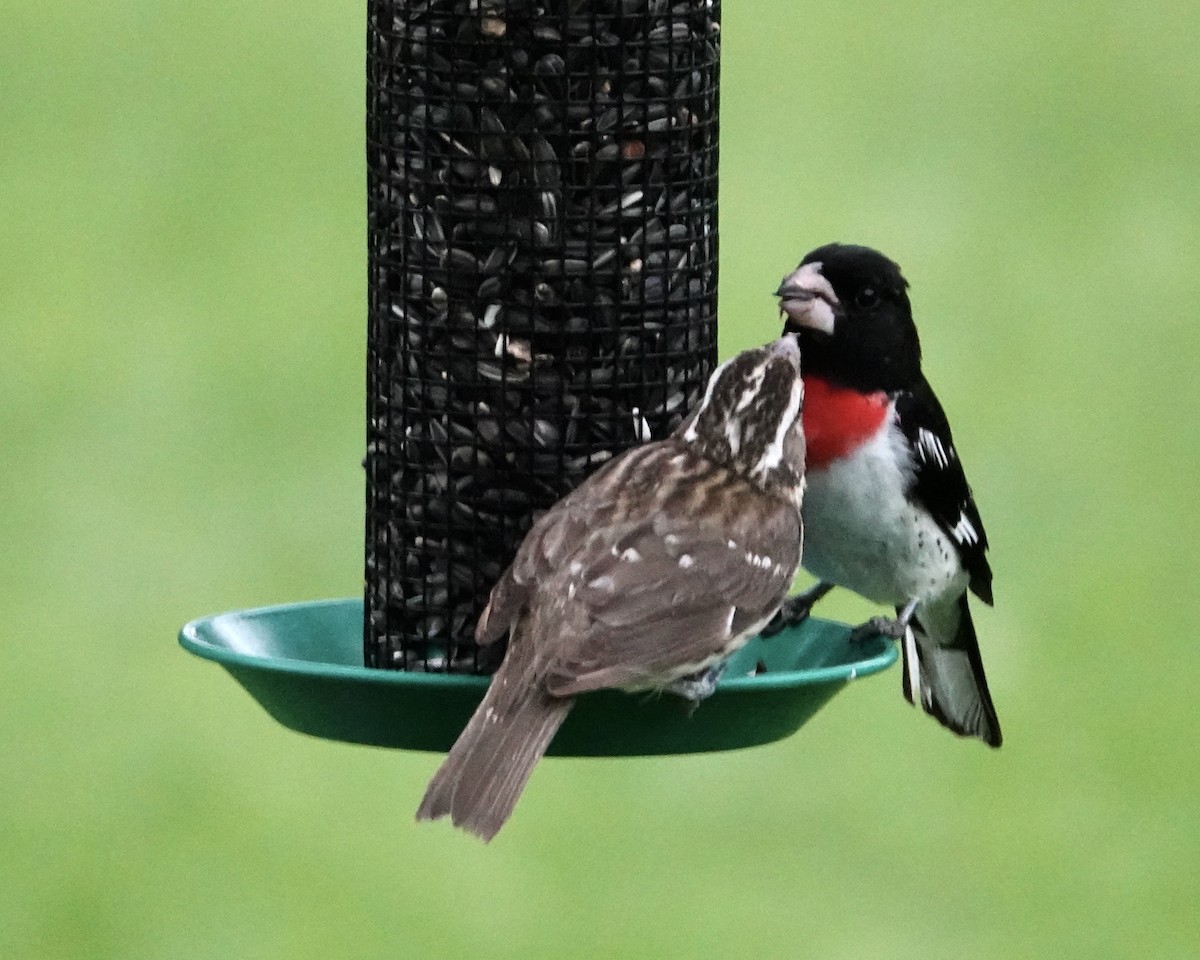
[542, 236]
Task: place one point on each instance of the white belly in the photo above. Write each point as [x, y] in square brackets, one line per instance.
[861, 532]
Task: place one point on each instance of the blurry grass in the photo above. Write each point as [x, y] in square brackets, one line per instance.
[181, 334]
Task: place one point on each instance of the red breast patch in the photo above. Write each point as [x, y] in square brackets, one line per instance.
[838, 420]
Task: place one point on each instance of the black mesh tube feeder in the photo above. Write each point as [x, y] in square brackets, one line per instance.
[542, 271]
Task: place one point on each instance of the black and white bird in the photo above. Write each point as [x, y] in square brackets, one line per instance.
[888, 512]
[646, 577]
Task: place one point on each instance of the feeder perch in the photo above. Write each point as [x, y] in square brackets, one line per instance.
[542, 272]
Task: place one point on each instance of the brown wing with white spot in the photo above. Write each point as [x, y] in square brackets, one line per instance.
[646, 603]
[557, 535]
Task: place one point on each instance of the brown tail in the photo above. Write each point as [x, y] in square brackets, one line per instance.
[487, 768]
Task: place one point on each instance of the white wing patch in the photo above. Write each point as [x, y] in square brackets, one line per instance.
[964, 531]
[931, 449]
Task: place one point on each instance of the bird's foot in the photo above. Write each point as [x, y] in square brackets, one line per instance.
[889, 627]
[892, 628]
[698, 686]
[795, 610]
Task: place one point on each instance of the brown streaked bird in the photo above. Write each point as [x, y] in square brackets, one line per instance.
[646, 577]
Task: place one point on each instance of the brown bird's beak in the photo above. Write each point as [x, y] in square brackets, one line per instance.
[787, 348]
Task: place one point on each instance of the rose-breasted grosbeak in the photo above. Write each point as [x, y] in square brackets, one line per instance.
[646, 577]
[888, 512]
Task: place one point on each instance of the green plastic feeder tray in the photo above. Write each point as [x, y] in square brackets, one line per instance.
[303, 663]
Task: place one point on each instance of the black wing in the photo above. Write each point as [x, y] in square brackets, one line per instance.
[941, 486]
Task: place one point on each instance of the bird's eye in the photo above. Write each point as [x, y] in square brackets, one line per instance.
[867, 297]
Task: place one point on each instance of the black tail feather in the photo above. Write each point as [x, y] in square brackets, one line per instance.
[943, 671]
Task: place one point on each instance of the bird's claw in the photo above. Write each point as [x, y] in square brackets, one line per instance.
[795, 610]
[790, 614]
[891, 628]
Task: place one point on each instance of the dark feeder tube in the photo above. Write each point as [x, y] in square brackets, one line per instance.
[542, 207]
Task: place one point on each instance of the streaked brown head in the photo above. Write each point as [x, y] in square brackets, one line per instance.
[749, 419]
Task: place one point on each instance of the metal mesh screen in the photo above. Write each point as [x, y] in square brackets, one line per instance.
[542, 182]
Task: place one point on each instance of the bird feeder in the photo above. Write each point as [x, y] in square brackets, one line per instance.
[542, 269]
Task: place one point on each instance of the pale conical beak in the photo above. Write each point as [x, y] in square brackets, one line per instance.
[807, 299]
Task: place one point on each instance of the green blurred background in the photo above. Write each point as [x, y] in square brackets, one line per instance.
[181, 348]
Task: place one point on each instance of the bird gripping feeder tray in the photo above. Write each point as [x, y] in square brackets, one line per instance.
[542, 206]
